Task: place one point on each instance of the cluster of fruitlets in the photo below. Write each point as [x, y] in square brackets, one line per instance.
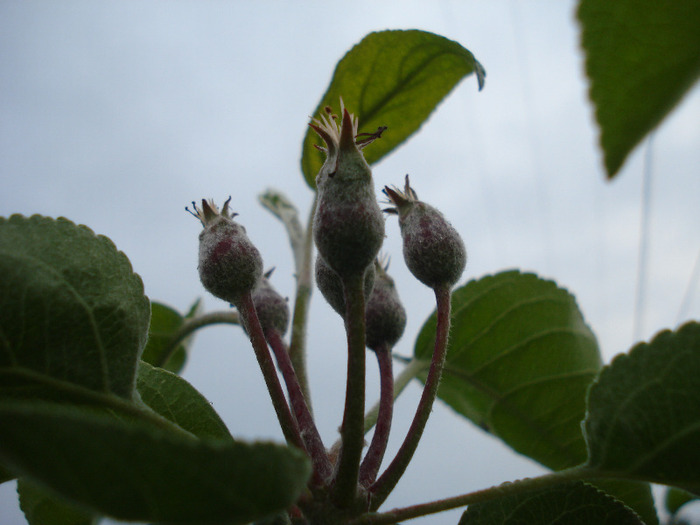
[348, 230]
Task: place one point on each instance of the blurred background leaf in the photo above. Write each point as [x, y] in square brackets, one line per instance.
[165, 323]
[571, 503]
[137, 471]
[640, 61]
[42, 508]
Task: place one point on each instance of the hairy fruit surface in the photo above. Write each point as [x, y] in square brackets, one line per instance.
[229, 264]
[385, 316]
[332, 287]
[348, 225]
[271, 307]
[433, 250]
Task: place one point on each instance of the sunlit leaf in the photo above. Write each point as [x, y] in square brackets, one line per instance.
[643, 416]
[640, 61]
[520, 361]
[140, 472]
[42, 508]
[71, 309]
[175, 399]
[569, 503]
[394, 79]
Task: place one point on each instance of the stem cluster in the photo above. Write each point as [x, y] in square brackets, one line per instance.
[350, 484]
[348, 230]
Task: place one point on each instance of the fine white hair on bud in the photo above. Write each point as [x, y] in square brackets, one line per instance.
[385, 316]
[433, 250]
[332, 287]
[271, 307]
[348, 224]
[229, 264]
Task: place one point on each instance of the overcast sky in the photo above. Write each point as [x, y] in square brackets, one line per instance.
[118, 114]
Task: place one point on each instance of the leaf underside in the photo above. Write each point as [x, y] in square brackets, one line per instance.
[640, 63]
[165, 322]
[566, 504]
[643, 417]
[520, 361]
[74, 429]
[137, 472]
[176, 400]
[43, 508]
[72, 309]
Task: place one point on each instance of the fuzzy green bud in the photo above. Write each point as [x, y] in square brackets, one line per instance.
[332, 287]
[432, 248]
[385, 316]
[348, 224]
[271, 307]
[229, 264]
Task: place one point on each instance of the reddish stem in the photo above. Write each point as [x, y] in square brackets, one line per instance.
[375, 454]
[246, 308]
[352, 429]
[307, 426]
[391, 476]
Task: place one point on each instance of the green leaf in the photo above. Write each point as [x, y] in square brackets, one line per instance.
[520, 361]
[5, 475]
[42, 508]
[72, 311]
[636, 495]
[142, 473]
[676, 498]
[640, 61]
[643, 418]
[175, 399]
[165, 323]
[569, 503]
[394, 79]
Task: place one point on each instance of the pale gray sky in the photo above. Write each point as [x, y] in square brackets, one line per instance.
[118, 114]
